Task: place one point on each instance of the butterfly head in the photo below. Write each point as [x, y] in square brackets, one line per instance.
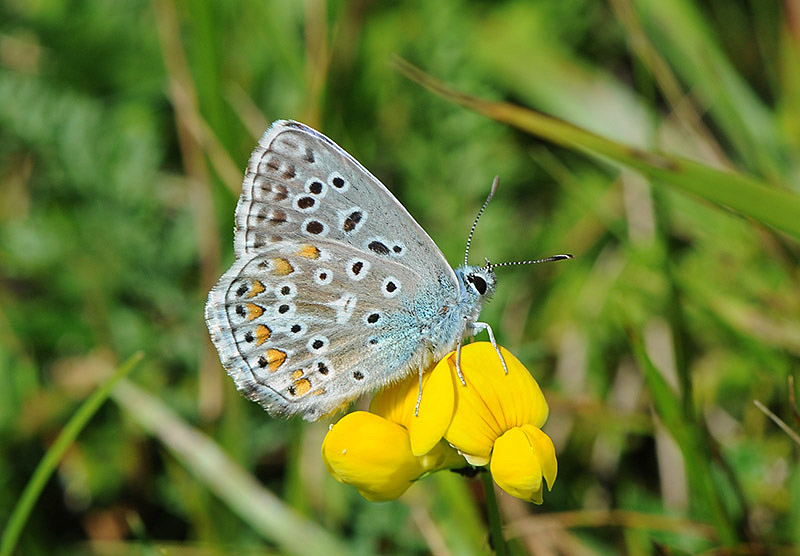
[477, 282]
[482, 281]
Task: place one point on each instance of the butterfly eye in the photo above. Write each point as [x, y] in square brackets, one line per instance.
[478, 283]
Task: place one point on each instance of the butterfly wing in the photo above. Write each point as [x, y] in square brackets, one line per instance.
[300, 184]
[307, 328]
[322, 304]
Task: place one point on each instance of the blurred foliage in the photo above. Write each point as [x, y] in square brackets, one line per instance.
[124, 129]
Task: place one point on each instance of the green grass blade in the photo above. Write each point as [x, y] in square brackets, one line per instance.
[689, 439]
[255, 505]
[48, 464]
[683, 35]
[747, 195]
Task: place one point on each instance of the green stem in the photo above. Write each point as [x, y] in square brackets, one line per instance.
[495, 526]
[54, 455]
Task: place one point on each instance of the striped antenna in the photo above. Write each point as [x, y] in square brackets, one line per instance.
[480, 212]
[491, 266]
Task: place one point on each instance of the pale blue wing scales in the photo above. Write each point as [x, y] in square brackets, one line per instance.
[304, 328]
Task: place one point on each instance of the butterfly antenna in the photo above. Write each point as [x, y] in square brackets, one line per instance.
[492, 266]
[480, 212]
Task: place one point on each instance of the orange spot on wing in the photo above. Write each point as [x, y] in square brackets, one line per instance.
[318, 392]
[254, 311]
[301, 386]
[281, 266]
[257, 288]
[297, 374]
[275, 359]
[262, 334]
[309, 252]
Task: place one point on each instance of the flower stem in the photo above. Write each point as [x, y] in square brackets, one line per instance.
[495, 528]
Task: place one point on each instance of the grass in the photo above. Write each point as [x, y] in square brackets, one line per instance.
[656, 141]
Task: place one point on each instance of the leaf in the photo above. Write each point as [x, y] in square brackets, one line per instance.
[772, 206]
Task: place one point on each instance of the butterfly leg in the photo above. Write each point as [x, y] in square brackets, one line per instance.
[419, 394]
[458, 363]
[478, 327]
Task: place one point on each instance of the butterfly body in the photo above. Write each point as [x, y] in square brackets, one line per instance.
[336, 290]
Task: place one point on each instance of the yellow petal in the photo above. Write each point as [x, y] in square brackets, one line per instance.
[398, 403]
[545, 451]
[372, 454]
[394, 401]
[474, 427]
[519, 460]
[435, 411]
[492, 402]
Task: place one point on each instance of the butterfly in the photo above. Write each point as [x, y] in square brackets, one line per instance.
[336, 290]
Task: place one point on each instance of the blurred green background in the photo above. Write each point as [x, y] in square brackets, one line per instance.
[124, 131]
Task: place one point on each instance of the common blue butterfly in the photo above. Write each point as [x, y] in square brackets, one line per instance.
[336, 290]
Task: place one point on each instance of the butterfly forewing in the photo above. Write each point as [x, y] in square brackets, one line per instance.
[300, 185]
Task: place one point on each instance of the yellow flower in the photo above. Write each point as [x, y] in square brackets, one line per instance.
[497, 419]
[374, 455]
[494, 419]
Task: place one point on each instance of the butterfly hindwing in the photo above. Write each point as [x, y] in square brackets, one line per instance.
[308, 327]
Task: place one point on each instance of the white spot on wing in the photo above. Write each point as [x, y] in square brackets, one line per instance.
[310, 226]
[295, 329]
[284, 309]
[323, 276]
[318, 344]
[286, 290]
[391, 287]
[351, 266]
[312, 187]
[398, 248]
[335, 179]
[301, 203]
[344, 307]
[351, 220]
